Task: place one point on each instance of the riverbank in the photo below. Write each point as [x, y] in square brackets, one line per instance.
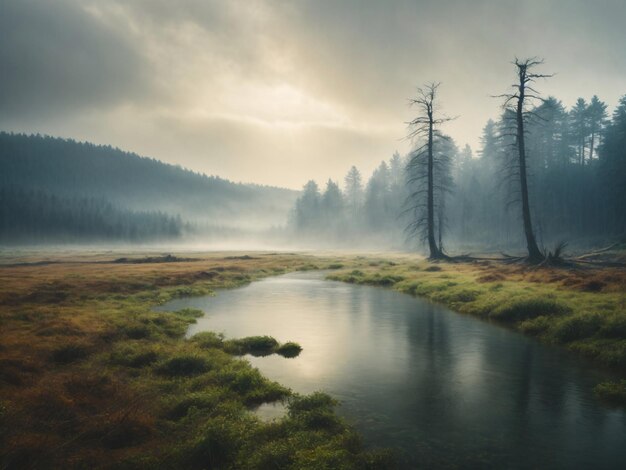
[582, 309]
[91, 376]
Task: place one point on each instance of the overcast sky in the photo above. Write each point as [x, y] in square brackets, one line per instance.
[278, 92]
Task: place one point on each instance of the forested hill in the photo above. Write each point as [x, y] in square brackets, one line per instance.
[69, 170]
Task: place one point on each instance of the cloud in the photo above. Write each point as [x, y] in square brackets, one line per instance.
[56, 58]
[279, 92]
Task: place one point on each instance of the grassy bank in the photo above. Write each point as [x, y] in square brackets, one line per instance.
[582, 309]
[92, 377]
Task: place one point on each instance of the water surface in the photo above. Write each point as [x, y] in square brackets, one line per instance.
[444, 389]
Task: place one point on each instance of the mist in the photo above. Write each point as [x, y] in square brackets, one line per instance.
[312, 234]
[277, 93]
[575, 173]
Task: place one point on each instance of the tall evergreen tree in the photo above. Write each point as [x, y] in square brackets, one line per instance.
[308, 207]
[332, 201]
[377, 196]
[353, 188]
[613, 166]
[580, 128]
[596, 115]
[489, 141]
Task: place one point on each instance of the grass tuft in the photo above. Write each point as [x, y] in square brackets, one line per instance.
[289, 349]
[254, 345]
[314, 411]
[524, 309]
[184, 365]
[203, 400]
[191, 313]
[135, 355]
[258, 346]
[69, 353]
[577, 327]
[208, 340]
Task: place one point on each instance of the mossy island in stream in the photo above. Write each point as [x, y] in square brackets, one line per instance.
[258, 346]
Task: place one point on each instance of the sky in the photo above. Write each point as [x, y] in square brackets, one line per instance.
[278, 92]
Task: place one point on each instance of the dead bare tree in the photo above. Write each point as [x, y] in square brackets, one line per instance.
[518, 106]
[426, 166]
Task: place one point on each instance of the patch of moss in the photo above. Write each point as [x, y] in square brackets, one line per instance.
[526, 308]
[201, 400]
[191, 313]
[184, 365]
[257, 346]
[289, 349]
[535, 326]
[208, 339]
[134, 354]
[335, 266]
[576, 327]
[254, 345]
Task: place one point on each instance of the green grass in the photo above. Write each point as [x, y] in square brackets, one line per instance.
[289, 349]
[260, 346]
[184, 365]
[134, 354]
[612, 393]
[208, 340]
[255, 345]
[526, 308]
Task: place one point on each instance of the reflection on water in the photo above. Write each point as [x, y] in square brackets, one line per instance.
[442, 388]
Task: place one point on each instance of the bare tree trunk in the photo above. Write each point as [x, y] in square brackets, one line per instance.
[533, 249]
[432, 242]
[440, 226]
[425, 126]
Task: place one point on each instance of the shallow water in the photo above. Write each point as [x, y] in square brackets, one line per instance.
[443, 389]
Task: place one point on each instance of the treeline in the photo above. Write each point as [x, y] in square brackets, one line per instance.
[68, 168]
[576, 167]
[36, 216]
[361, 212]
[576, 163]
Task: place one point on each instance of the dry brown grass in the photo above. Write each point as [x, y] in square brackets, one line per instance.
[581, 278]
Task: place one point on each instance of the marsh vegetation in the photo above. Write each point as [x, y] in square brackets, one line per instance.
[92, 376]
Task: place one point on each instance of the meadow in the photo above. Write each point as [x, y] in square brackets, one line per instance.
[92, 376]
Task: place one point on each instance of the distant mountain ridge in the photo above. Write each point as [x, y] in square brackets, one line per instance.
[69, 169]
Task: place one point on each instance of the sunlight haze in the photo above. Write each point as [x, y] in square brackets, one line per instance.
[277, 92]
